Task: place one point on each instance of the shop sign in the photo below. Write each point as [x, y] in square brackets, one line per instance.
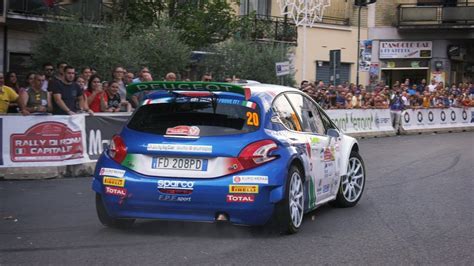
[405, 49]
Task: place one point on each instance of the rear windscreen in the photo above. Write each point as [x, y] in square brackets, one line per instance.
[213, 116]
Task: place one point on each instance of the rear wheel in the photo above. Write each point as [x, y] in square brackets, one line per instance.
[352, 184]
[290, 211]
[106, 219]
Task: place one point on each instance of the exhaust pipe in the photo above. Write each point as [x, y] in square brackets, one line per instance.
[222, 217]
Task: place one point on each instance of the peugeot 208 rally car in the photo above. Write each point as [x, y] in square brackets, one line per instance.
[221, 152]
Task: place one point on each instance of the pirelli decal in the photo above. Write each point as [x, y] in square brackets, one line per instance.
[113, 181]
[247, 189]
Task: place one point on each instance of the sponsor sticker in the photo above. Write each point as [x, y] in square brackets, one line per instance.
[240, 198]
[183, 130]
[112, 172]
[116, 191]
[175, 186]
[326, 188]
[179, 148]
[113, 181]
[250, 179]
[328, 155]
[174, 198]
[246, 189]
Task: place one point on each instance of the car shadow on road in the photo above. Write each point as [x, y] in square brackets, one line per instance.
[218, 230]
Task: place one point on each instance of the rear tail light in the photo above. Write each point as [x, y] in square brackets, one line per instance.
[257, 153]
[117, 149]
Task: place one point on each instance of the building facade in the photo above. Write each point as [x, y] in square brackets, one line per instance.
[419, 39]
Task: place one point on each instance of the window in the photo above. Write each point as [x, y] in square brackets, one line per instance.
[326, 121]
[261, 7]
[214, 117]
[308, 113]
[287, 115]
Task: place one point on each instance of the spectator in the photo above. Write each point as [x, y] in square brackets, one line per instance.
[170, 76]
[421, 87]
[7, 96]
[396, 108]
[94, 93]
[86, 74]
[303, 84]
[368, 101]
[129, 78]
[356, 101]
[138, 97]
[341, 100]
[35, 99]
[412, 90]
[81, 82]
[140, 78]
[67, 95]
[118, 76]
[60, 67]
[432, 86]
[12, 82]
[206, 77]
[111, 101]
[48, 70]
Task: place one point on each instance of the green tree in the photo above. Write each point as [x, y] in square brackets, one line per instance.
[109, 45]
[201, 23]
[248, 60]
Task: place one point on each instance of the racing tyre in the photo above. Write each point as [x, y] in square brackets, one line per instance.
[290, 210]
[352, 185]
[106, 219]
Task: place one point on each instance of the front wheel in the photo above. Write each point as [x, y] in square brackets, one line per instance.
[106, 219]
[290, 211]
[352, 184]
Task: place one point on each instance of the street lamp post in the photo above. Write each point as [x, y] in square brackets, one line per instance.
[358, 47]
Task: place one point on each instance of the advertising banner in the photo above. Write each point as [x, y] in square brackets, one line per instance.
[99, 131]
[365, 55]
[42, 141]
[446, 118]
[405, 49]
[362, 120]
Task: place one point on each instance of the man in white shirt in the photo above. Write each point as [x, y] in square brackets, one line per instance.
[432, 86]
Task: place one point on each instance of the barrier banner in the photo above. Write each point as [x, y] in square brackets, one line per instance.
[99, 131]
[362, 120]
[421, 119]
[42, 140]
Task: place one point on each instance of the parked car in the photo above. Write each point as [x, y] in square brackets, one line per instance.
[249, 154]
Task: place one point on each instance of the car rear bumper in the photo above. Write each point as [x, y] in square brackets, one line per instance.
[141, 197]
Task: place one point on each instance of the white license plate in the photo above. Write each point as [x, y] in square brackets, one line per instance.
[170, 163]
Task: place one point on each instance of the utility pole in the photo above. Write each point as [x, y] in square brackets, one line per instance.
[360, 4]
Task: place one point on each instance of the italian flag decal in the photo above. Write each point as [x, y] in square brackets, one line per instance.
[249, 104]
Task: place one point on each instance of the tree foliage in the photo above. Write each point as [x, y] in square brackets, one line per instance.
[248, 60]
[201, 23]
[109, 45]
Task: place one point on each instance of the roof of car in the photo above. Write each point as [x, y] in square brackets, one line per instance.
[269, 88]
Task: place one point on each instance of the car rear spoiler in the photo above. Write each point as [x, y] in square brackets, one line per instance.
[187, 86]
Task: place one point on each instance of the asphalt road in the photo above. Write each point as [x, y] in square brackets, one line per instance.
[417, 209]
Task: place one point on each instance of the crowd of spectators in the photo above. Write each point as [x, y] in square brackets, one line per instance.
[66, 91]
[400, 96]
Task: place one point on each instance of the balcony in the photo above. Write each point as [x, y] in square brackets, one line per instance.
[436, 16]
[267, 29]
[42, 10]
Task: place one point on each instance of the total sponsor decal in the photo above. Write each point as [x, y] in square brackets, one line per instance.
[116, 191]
[175, 198]
[113, 181]
[246, 189]
[328, 169]
[240, 198]
[111, 172]
[47, 141]
[183, 131]
[175, 186]
[250, 179]
[179, 148]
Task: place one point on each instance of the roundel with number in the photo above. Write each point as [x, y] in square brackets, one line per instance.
[406, 117]
[430, 116]
[443, 116]
[420, 117]
[453, 115]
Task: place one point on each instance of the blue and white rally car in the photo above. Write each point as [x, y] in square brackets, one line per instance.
[251, 155]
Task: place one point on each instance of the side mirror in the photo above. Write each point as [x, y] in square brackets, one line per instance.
[333, 133]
